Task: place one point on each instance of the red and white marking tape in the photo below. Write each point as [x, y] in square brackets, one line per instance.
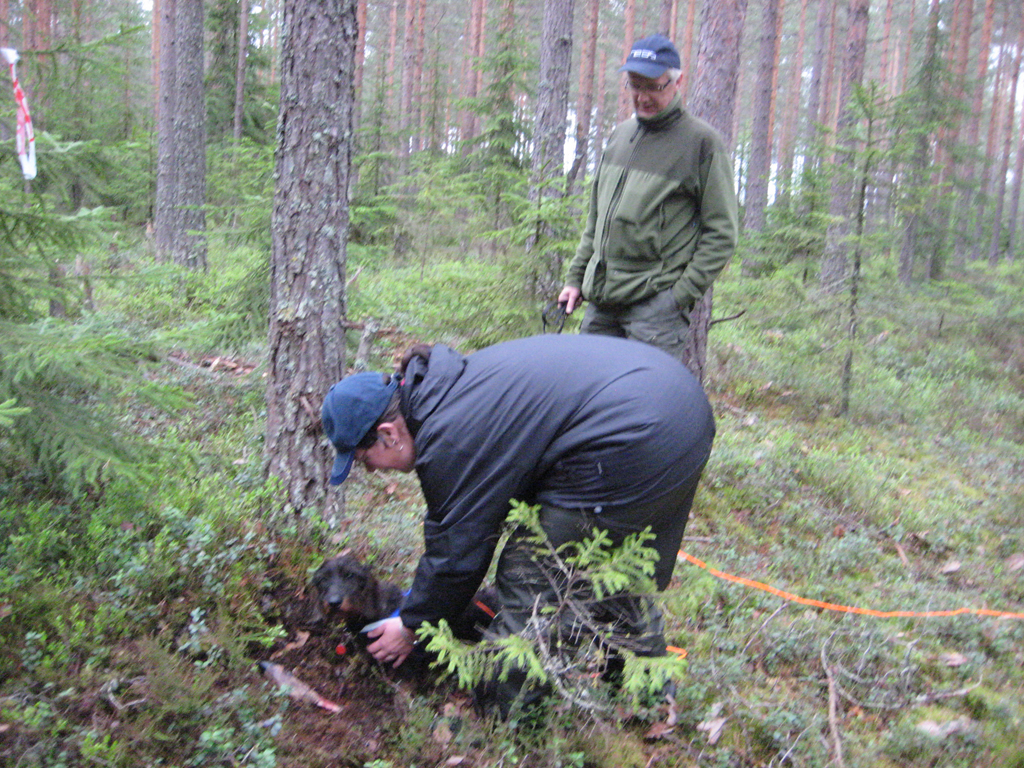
[26, 137]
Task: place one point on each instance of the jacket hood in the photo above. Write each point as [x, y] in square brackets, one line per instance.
[427, 383]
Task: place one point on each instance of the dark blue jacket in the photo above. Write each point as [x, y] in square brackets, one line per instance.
[575, 421]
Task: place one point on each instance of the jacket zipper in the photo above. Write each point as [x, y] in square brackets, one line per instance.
[613, 204]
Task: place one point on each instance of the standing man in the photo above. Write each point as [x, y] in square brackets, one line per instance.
[663, 213]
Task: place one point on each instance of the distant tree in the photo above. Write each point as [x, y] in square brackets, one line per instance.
[309, 231]
[181, 148]
[761, 129]
[549, 134]
[841, 200]
[790, 113]
[714, 100]
[585, 99]
[995, 241]
[969, 168]
[240, 68]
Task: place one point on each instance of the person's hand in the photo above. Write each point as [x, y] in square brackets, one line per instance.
[570, 297]
[393, 642]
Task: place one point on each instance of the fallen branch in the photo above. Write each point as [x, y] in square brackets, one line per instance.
[833, 718]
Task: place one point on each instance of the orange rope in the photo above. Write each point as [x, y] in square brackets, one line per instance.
[846, 608]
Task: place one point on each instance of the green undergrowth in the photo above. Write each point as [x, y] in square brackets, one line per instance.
[131, 617]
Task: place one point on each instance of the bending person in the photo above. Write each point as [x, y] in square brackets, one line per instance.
[599, 431]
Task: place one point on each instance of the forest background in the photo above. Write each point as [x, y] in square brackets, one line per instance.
[864, 356]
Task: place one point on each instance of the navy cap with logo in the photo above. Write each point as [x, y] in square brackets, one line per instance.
[350, 410]
[651, 57]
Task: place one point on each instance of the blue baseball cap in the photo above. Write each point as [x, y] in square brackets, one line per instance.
[350, 410]
[651, 56]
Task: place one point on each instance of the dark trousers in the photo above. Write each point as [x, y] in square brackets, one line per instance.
[658, 321]
[528, 582]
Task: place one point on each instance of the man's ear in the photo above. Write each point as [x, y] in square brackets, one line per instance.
[388, 433]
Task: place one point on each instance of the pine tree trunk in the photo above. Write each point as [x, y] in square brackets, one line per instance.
[1004, 165]
[835, 263]
[243, 48]
[759, 170]
[419, 97]
[549, 133]
[985, 183]
[686, 49]
[814, 97]
[787, 143]
[829, 114]
[918, 216]
[714, 100]
[188, 246]
[309, 230]
[963, 246]
[165, 210]
[625, 105]
[467, 133]
[585, 102]
[406, 95]
[1018, 171]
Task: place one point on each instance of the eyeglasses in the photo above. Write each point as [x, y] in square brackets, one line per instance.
[647, 87]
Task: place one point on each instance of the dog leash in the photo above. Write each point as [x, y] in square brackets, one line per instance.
[553, 315]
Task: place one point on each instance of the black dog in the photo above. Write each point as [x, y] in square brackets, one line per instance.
[348, 588]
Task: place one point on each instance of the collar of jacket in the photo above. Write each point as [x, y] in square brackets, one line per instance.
[666, 117]
[427, 383]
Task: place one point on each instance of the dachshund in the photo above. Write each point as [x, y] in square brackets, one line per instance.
[348, 588]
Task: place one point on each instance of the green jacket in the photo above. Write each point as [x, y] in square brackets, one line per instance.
[663, 213]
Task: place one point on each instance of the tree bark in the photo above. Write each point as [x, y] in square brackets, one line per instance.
[835, 263]
[549, 134]
[759, 170]
[243, 48]
[625, 105]
[714, 100]
[165, 210]
[985, 182]
[1018, 171]
[686, 49]
[994, 249]
[918, 212]
[188, 247]
[787, 140]
[962, 245]
[309, 230]
[585, 102]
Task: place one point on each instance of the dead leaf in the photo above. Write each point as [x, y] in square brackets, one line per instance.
[5, 610]
[659, 731]
[391, 488]
[300, 640]
[457, 760]
[903, 555]
[713, 728]
[951, 567]
[952, 659]
[1015, 562]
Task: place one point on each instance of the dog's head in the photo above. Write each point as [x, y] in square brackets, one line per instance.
[342, 583]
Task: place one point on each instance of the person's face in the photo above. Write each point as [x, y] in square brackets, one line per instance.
[651, 95]
[393, 449]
